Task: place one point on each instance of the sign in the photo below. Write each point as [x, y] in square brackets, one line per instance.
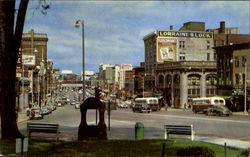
[28, 59]
[19, 59]
[166, 49]
[185, 34]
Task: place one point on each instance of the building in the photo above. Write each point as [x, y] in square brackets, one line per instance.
[138, 79]
[181, 81]
[234, 72]
[163, 46]
[129, 83]
[122, 74]
[34, 58]
[180, 62]
[228, 36]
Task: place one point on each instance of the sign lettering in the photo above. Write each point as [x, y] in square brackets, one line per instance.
[184, 34]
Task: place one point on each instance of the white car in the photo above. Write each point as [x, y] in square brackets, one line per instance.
[77, 105]
[123, 105]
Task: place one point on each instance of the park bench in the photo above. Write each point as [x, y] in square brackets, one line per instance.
[43, 128]
[179, 130]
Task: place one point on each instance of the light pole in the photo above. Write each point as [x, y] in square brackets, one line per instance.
[144, 75]
[77, 25]
[245, 98]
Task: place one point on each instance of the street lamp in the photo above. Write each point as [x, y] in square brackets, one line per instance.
[245, 98]
[77, 25]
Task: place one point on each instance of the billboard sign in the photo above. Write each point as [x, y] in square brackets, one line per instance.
[166, 49]
[28, 59]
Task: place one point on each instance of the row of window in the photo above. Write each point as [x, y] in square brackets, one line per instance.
[182, 56]
[196, 92]
[182, 44]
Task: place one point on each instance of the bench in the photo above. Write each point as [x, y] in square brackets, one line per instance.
[43, 128]
[179, 130]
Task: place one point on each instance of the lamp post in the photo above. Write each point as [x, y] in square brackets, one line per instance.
[245, 89]
[144, 75]
[77, 25]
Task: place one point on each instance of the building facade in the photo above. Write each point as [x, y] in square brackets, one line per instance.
[234, 72]
[181, 63]
[34, 58]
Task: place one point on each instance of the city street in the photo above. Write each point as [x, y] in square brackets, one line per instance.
[123, 122]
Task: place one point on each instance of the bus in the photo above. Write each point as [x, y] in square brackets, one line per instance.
[199, 104]
[152, 102]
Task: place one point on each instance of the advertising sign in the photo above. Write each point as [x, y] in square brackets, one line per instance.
[28, 59]
[166, 49]
[19, 59]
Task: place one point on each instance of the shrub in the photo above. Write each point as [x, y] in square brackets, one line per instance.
[196, 151]
[245, 153]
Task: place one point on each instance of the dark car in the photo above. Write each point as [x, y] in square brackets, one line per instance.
[141, 108]
[218, 110]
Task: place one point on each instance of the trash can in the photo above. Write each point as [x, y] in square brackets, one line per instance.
[139, 131]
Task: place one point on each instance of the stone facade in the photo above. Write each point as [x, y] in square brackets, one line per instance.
[182, 81]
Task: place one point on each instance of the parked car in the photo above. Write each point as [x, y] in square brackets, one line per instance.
[52, 107]
[77, 105]
[218, 110]
[45, 110]
[72, 102]
[123, 105]
[59, 104]
[141, 108]
[35, 113]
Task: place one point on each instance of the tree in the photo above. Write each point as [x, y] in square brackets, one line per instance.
[10, 40]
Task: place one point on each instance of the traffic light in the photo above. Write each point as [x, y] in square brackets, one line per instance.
[97, 93]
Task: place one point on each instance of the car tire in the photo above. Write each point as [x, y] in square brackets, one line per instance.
[220, 114]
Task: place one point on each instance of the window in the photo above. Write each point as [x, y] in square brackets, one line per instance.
[208, 47]
[182, 57]
[237, 79]
[182, 44]
[236, 61]
[244, 78]
[243, 61]
[208, 56]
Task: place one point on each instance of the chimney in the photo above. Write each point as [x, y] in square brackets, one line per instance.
[171, 28]
[222, 27]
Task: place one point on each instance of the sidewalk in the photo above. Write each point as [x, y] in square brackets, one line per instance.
[229, 142]
[22, 117]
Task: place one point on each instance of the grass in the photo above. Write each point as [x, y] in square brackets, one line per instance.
[113, 148]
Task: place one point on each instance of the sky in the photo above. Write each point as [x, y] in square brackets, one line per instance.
[114, 30]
